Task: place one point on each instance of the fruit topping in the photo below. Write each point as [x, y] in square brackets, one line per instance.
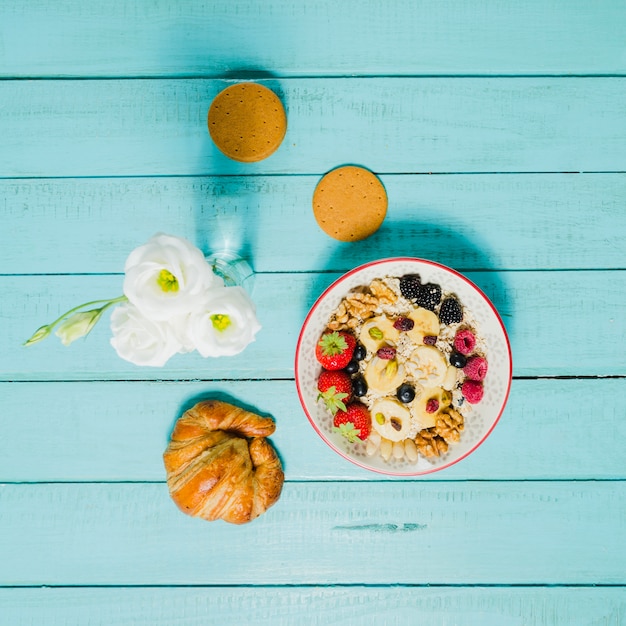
[359, 352]
[334, 350]
[352, 367]
[384, 375]
[378, 332]
[428, 366]
[354, 422]
[410, 286]
[458, 360]
[432, 406]
[387, 352]
[465, 341]
[450, 311]
[426, 324]
[392, 420]
[430, 340]
[476, 368]
[472, 391]
[335, 387]
[403, 323]
[405, 393]
[429, 296]
[359, 386]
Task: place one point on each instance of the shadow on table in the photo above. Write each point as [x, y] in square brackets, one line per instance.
[225, 215]
[422, 240]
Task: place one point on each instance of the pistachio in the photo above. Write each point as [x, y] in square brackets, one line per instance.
[380, 418]
[391, 368]
[376, 333]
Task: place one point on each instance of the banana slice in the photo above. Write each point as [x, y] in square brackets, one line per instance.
[418, 406]
[426, 324]
[391, 419]
[384, 375]
[378, 332]
[451, 376]
[429, 366]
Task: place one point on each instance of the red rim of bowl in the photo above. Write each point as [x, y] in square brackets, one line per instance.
[360, 268]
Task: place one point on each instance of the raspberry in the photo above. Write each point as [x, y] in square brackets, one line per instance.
[403, 324]
[386, 353]
[472, 391]
[429, 296]
[450, 311]
[410, 286]
[465, 341]
[476, 368]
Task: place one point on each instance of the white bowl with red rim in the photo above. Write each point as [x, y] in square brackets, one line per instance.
[483, 416]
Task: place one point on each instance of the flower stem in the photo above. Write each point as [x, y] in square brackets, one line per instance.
[44, 331]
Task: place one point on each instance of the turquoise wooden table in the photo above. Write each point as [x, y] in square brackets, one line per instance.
[499, 132]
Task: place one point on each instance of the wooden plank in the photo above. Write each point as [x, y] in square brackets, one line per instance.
[132, 38]
[320, 534]
[284, 605]
[390, 125]
[117, 431]
[559, 323]
[464, 221]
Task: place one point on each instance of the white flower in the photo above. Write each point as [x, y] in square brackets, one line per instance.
[140, 340]
[167, 276]
[227, 324]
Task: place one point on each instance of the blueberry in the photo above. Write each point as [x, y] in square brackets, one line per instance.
[458, 360]
[405, 393]
[359, 352]
[359, 386]
[352, 367]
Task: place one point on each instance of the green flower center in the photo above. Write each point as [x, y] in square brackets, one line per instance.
[220, 322]
[167, 281]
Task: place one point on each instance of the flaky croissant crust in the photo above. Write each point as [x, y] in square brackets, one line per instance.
[219, 464]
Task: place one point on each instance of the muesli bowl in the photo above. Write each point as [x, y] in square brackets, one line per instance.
[489, 347]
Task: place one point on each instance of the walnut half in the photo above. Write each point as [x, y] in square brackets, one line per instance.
[429, 443]
[449, 425]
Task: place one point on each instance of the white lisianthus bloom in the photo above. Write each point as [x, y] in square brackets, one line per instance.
[167, 276]
[141, 340]
[226, 325]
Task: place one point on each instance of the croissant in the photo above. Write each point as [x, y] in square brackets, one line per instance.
[220, 465]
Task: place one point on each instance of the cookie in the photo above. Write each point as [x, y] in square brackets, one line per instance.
[247, 122]
[349, 203]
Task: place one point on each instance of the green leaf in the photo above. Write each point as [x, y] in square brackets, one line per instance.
[348, 431]
[333, 399]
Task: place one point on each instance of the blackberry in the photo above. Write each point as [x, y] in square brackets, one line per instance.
[450, 311]
[410, 286]
[429, 296]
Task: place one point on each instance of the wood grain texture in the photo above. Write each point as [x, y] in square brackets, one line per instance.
[117, 431]
[469, 222]
[135, 38]
[320, 606]
[481, 533]
[390, 125]
[542, 311]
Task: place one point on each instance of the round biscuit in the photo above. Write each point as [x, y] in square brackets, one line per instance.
[247, 122]
[349, 203]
